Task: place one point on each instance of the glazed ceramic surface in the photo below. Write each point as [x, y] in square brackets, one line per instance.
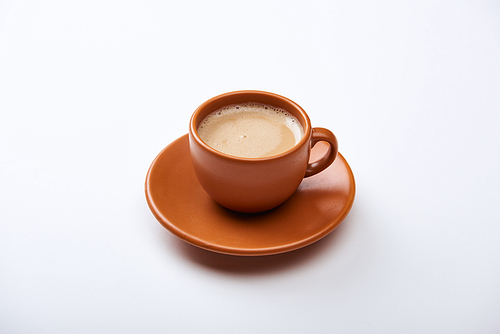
[256, 184]
[180, 204]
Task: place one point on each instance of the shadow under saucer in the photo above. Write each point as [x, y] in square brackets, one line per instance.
[261, 265]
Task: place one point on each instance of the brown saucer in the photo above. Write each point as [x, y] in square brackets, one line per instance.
[181, 205]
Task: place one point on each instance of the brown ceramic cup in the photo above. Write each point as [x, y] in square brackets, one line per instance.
[256, 184]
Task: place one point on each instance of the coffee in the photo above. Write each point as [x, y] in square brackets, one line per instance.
[251, 130]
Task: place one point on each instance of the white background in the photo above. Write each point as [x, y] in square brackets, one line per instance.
[92, 90]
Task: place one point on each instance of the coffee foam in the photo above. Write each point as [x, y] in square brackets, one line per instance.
[250, 130]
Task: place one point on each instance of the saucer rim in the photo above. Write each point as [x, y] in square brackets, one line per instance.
[261, 251]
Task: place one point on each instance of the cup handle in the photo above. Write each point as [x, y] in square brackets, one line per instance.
[321, 134]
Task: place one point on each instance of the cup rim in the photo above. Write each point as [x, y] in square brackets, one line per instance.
[194, 131]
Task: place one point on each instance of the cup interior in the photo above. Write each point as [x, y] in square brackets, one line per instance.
[226, 99]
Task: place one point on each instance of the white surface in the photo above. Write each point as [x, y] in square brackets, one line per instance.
[91, 91]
